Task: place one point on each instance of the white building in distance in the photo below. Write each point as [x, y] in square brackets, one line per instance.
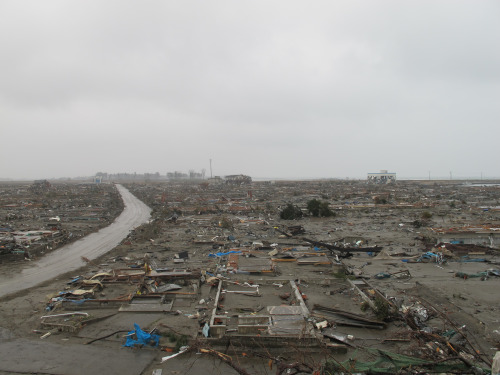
[382, 178]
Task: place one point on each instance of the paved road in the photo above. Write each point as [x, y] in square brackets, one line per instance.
[68, 257]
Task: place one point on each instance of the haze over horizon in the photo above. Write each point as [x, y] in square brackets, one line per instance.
[279, 89]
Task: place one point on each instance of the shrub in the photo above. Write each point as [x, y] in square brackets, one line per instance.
[418, 224]
[426, 215]
[319, 209]
[381, 308]
[291, 212]
[225, 223]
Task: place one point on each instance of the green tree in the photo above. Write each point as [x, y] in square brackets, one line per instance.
[319, 209]
[290, 212]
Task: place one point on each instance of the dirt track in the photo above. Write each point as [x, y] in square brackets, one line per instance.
[68, 258]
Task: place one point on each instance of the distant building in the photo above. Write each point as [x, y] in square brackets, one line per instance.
[383, 177]
[100, 176]
[217, 180]
[195, 175]
[176, 175]
[238, 179]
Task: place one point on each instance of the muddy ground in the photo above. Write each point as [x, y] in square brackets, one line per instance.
[202, 219]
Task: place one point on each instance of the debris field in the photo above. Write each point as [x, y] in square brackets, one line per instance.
[36, 218]
[284, 277]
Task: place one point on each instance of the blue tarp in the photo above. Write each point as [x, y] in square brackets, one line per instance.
[221, 254]
[429, 255]
[143, 338]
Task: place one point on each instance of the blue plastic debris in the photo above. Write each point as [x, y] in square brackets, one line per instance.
[78, 278]
[142, 338]
[206, 330]
[438, 258]
[221, 254]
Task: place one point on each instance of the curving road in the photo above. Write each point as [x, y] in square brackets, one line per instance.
[68, 258]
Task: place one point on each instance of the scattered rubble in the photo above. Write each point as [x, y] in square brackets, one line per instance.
[40, 217]
[375, 288]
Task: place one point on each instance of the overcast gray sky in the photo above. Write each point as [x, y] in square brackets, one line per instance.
[265, 88]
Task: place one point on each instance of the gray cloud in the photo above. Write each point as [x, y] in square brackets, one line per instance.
[266, 88]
